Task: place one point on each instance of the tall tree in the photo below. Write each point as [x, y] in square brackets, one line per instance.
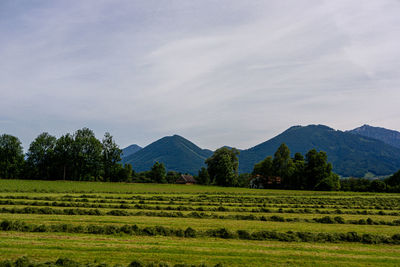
[283, 165]
[377, 186]
[296, 173]
[87, 155]
[124, 173]
[394, 180]
[111, 156]
[40, 157]
[172, 176]
[298, 178]
[319, 173]
[222, 166]
[264, 167]
[203, 177]
[262, 173]
[158, 173]
[64, 157]
[11, 157]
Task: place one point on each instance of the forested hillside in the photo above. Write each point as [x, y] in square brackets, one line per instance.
[176, 152]
[350, 155]
[387, 136]
[132, 149]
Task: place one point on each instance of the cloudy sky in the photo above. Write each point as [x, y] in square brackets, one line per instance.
[220, 72]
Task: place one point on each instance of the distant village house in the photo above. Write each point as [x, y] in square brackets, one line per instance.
[261, 182]
[185, 179]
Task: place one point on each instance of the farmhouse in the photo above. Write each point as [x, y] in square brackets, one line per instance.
[185, 179]
[260, 182]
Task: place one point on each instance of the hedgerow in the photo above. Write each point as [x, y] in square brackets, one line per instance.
[274, 218]
[66, 262]
[290, 236]
[230, 201]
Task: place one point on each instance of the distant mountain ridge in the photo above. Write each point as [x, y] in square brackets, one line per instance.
[132, 149]
[390, 137]
[176, 152]
[351, 154]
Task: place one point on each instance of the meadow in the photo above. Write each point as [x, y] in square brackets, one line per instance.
[117, 223]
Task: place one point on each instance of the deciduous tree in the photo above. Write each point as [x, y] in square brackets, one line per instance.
[41, 157]
[111, 156]
[87, 155]
[11, 157]
[283, 165]
[223, 165]
[158, 173]
[64, 157]
[318, 172]
[203, 177]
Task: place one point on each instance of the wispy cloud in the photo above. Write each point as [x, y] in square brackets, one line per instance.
[217, 72]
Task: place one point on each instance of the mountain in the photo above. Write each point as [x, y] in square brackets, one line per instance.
[132, 149]
[176, 152]
[387, 136]
[350, 154]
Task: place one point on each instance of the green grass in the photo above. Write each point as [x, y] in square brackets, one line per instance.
[203, 224]
[99, 187]
[122, 249]
[300, 216]
[16, 186]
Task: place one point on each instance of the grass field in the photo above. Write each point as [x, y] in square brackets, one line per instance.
[47, 220]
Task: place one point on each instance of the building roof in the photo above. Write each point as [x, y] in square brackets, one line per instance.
[187, 178]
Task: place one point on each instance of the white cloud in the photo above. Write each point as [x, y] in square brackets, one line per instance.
[216, 72]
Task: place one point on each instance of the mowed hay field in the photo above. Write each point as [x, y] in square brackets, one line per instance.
[117, 223]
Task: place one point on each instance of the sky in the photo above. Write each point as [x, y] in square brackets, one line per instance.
[221, 72]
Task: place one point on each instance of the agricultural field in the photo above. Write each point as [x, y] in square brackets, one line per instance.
[117, 223]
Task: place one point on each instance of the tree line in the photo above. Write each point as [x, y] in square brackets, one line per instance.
[312, 172]
[391, 184]
[78, 156]
[81, 156]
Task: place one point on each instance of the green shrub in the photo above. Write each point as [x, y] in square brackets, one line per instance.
[339, 219]
[149, 231]
[65, 262]
[6, 263]
[243, 234]
[110, 229]
[126, 229]
[6, 225]
[370, 239]
[305, 236]
[190, 232]
[136, 263]
[276, 218]
[41, 228]
[396, 237]
[22, 262]
[95, 229]
[221, 233]
[179, 233]
[118, 213]
[352, 237]
[326, 219]
[161, 230]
